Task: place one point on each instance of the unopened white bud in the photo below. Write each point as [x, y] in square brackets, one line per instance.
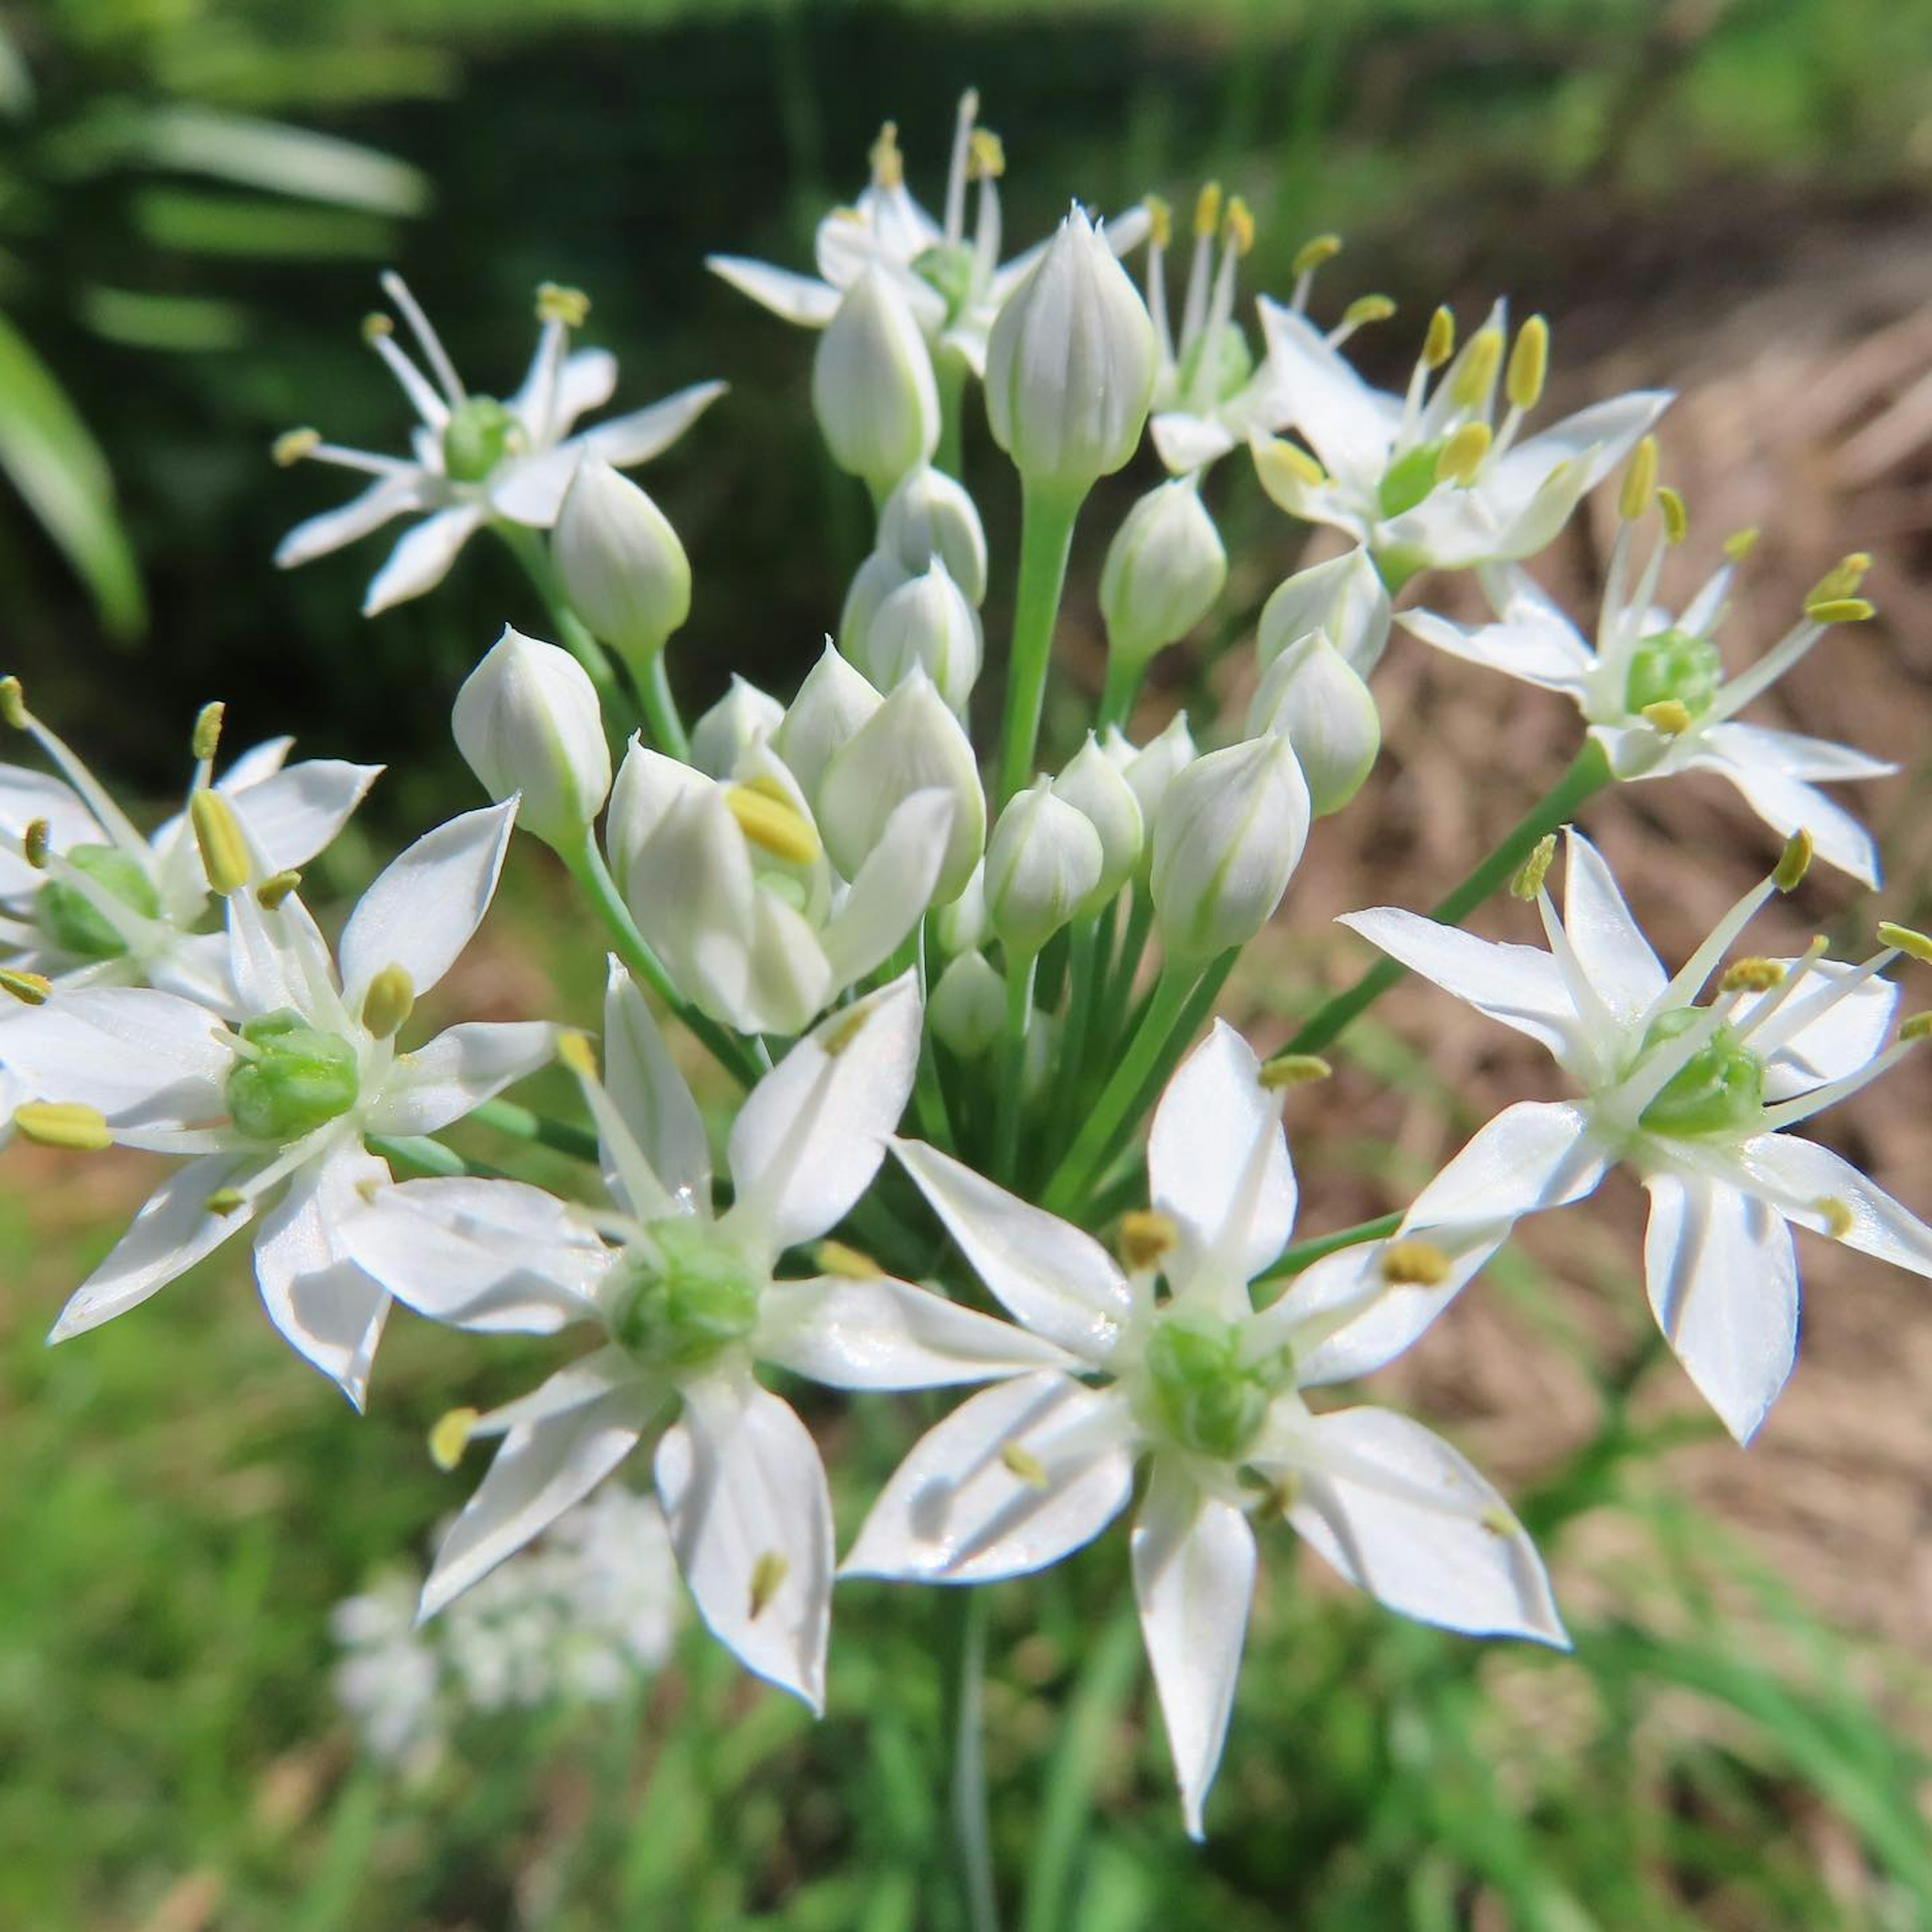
[831, 703]
[872, 385]
[925, 624]
[968, 1010]
[963, 925]
[620, 563]
[1345, 598]
[1070, 364]
[1317, 699]
[873, 582]
[1042, 861]
[1164, 570]
[1229, 835]
[527, 720]
[930, 515]
[1150, 769]
[1097, 788]
[743, 715]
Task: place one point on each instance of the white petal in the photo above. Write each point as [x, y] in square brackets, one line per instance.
[1802, 1170]
[586, 379]
[423, 908]
[1399, 1512]
[628, 439]
[388, 497]
[955, 1511]
[1194, 1575]
[803, 299]
[1597, 439]
[1348, 425]
[145, 1059]
[1843, 1038]
[1536, 1154]
[26, 795]
[885, 901]
[1789, 805]
[744, 1493]
[888, 1334]
[1060, 1282]
[455, 1073]
[422, 558]
[1723, 1286]
[811, 1134]
[292, 815]
[1617, 960]
[1187, 443]
[1549, 655]
[1816, 760]
[651, 1098]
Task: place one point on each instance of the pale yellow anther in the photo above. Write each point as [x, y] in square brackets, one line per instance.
[36, 843]
[1286, 469]
[1146, 1237]
[1439, 344]
[853, 1263]
[1639, 487]
[1842, 579]
[888, 163]
[556, 303]
[1528, 365]
[218, 831]
[389, 1001]
[1530, 875]
[1476, 374]
[1752, 975]
[450, 1437]
[1676, 517]
[1836, 1216]
[768, 1575]
[774, 825]
[1670, 715]
[1294, 1070]
[1283, 1493]
[1841, 611]
[206, 736]
[1312, 252]
[1462, 454]
[835, 1036]
[1024, 1464]
[1794, 861]
[1160, 220]
[985, 155]
[1919, 1028]
[70, 1124]
[1366, 309]
[270, 894]
[1414, 1264]
[575, 1051]
[1498, 1522]
[375, 326]
[1238, 226]
[1207, 208]
[31, 989]
[226, 1201]
[1903, 939]
[14, 704]
[292, 445]
[1740, 544]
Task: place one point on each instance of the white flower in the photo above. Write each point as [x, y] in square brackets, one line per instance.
[1043, 862]
[1655, 697]
[275, 1107]
[474, 459]
[1164, 570]
[687, 1305]
[1693, 1099]
[104, 904]
[1211, 1390]
[1425, 478]
[873, 388]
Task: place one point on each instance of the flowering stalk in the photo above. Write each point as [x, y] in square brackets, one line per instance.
[1046, 535]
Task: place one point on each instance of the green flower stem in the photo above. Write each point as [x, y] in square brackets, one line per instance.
[505, 1117]
[1046, 535]
[1010, 1105]
[661, 712]
[950, 367]
[966, 1698]
[1117, 693]
[1587, 774]
[1112, 1013]
[1304, 1254]
[1082, 943]
[935, 1123]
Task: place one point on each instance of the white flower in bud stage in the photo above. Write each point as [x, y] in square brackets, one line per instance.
[737, 722]
[1427, 479]
[873, 388]
[832, 702]
[688, 1307]
[967, 1011]
[87, 899]
[1655, 697]
[929, 515]
[1694, 1099]
[473, 459]
[1164, 570]
[1315, 699]
[1345, 599]
[926, 625]
[527, 722]
[1100, 790]
[275, 1107]
[1210, 1390]
[1043, 861]
[1150, 769]
[622, 566]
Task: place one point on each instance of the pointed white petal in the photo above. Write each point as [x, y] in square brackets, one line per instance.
[1626, 975]
[626, 440]
[892, 887]
[1536, 1154]
[1351, 427]
[1550, 655]
[388, 497]
[1816, 760]
[1187, 443]
[143, 1058]
[1802, 1170]
[586, 379]
[1789, 805]
[293, 814]
[803, 299]
[1597, 439]
[651, 1097]
[26, 795]
[422, 558]
[455, 1073]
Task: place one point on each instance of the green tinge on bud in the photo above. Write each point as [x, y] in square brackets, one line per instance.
[1042, 861]
[1150, 769]
[207, 732]
[1098, 790]
[527, 720]
[1528, 882]
[1314, 697]
[833, 702]
[743, 715]
[1345, 599]
[961, 926]
[968, 1010]
[872, 385]
[217, 833]
[927, 624]
[928, 515]
[622, 565]
[296, 1078]
[1070, 364]
[391, 999]
[1165, 569]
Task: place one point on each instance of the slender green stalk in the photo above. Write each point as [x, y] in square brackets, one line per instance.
[507, 1117]
[1010, 1105]
[1046, 534]
[661, 712]
[972, 1834]
[1118, 693]
[935, 1123]
[1587, 774]
[1304, 1254]
[1111, 1013]
[950, 368]
[1081, 946]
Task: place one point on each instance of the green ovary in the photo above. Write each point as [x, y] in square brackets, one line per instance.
[1673, 667]
[479, 434]
[1205, 1396]
[1408, 479]
[1234, 363]
[696, 1299]
[72, 920]
[296, 1079]
[1720, 1090]
[947, 268]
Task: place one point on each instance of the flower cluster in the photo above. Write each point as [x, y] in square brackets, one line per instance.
[949, 981]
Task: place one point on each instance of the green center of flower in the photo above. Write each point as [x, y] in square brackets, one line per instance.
[480, 433]
[292, 1079]
[1673, 667]
[1720, 1090]
[947, 268]
[693, 1302]
[1409, 478]
[1205, 1396]
[72, 920]
[1217, 365]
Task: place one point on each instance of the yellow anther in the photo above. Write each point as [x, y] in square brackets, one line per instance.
[207, 733]
[1528, 365]
[1841, 611]
[1146, 1237]
[1476, 375]
[224, 852]
[1312, 252]
[226, 1201]
[1238, 226]
[1534, 870]
[390, 998]
[556, 303]
[1286, 469]
[774, 825]
[1752, 975]
[1024, 1464]
[1740, 544]
[853, 1263]
[1283, 1493]
[1160, 220]
[1903, 939]
[1842, 579]
[14, 704]
[36, 843]
[1794, 861]
[1366, 309]
[985, 155]
[836, 1035]
[1670, 715]
[375, 326]
[64, 1123]
[1917, 1028]
[31, 989]
[575, 1050]
[1640, 481]
[1294, 1070]
[292, 445]
[768, 1575]
[1676, 517]
[888, 163]
[1414, 1264]
[1836, 1216]
[1462, 454]
[450, 1437]
[1439, 344]
[1498, 1521]
[1207, 208]
[274, 889]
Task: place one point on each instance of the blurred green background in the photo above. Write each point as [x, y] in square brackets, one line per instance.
[195, 199]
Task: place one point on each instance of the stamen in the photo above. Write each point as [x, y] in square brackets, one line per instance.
[1289, 465]
[1439, 344]
[1917, 1028]
[36, 843]
[1740, 544]
[1841, 580]
[1498, 1522]
[852, 1264]
[292, 445]
[773, 824]
[888, 164]
[1752, 975]
[1312, 252]
[1735, 693]
[1903, 939]
[1528, 365]
[574, 1051]
[1360, 313]
[1160, 221]
[1024, 1464]
[1689, 979]
[1462, 454]
[1530, 875]
[1786, 984]
[1841, 611]
[1294, 1070]
[1640, 484]
[388, 1003]
[1913, 1034]
[1207, 219]
[1669, 716]
[986, 159]
[1237, 227]
[1146, 1239]
[1794, 861]
[1208, 211]
[556, 303]
[224, 851]
[226, 1201]
[1837, 1215]
[398, 290]
[207, 734]
[768, 1575]
[31, 989]
[1477, 372]
[379, 333]
[273, 890]
[840, 1033]
[1414, 1264]
[1676, 517]
[69, 1124]
[959, 166]
[450, 1437]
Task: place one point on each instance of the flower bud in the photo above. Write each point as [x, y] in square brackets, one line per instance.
[1097, 788]
[930, 515]
[620, 563]
[527, 720]
[1149, 769]
[1164, 570]
[873, 582]
[1345, 598]
[872, 385]
[962, 924]
[743, 715]
[831, 703]
[968, 1010]
[927, 625]
[1229, 833]
[1043, 860]
[1316, 698]
[1070, 364]
[911, 743]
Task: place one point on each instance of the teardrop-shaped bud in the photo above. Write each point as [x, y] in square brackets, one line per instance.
[930, 515]
[1313, 696]
[831, 703]
[620, 563]
[743, 715]
[873, 582]
[1098, 789]
[968, 1010]
[1345, 598]
[1042, 861]
[925, 624]
[872, 385]
[1150, 769]
[1164, 570]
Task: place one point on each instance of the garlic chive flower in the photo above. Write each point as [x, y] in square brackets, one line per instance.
[1210, 1390]
[1691, 1081]
[474, 459]
[688, 1307]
